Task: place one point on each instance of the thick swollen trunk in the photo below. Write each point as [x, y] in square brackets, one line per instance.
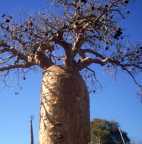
[64, 113]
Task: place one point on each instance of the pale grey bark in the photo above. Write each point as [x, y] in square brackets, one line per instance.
[64, 113]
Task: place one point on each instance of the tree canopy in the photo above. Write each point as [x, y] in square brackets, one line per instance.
[107, 132]
[84, 33]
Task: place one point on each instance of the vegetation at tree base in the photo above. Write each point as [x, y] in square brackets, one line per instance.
[67, 46]
[107, 132]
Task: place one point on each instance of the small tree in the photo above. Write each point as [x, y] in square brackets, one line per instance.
[107, 132]
[83, 34]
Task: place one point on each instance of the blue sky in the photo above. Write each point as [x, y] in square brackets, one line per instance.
[117, 100]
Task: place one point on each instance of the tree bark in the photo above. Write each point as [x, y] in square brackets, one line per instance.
[64, 112]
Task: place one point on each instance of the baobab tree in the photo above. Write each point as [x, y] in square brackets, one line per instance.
[82, 35]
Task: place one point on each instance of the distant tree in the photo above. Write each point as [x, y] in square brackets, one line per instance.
[66, 46]
[107, 132]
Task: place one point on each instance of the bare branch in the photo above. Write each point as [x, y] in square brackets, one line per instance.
[88, 61]
[132, 76]
[80, 39]
[90, 51]
[14, 52]
[16, 66]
